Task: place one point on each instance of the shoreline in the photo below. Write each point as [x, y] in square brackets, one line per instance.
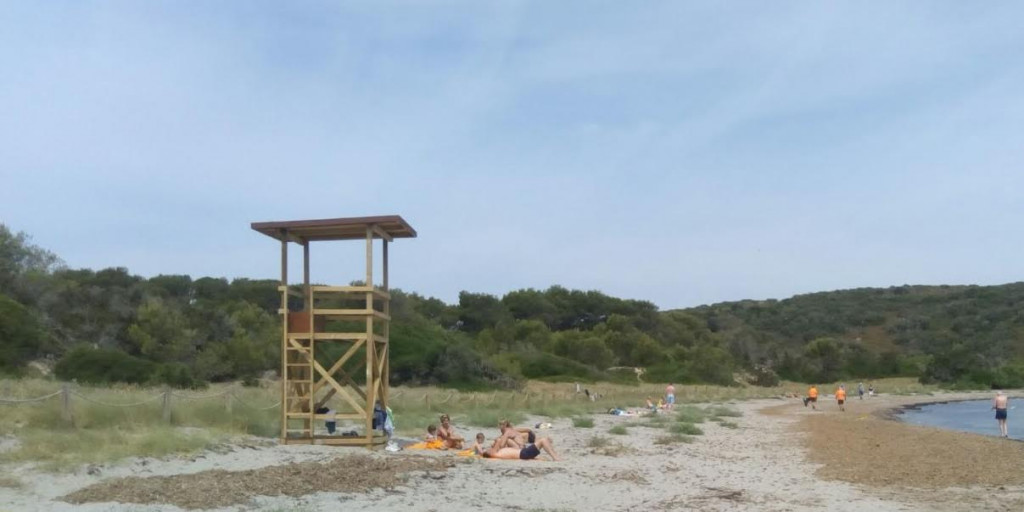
[869, 445]
[895, 413]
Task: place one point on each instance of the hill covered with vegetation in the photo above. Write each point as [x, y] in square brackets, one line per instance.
[110, 325]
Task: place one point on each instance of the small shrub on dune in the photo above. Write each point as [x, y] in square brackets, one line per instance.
[619, 430]
[673, 439]
[690, 414]
[600, 445]
[686, 428]
[583, 422]
[718, 412]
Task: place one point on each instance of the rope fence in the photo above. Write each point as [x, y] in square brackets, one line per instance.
[107, 404]
[28, 400]
[66, 394]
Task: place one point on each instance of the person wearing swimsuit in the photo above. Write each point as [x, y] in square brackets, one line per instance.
[1000, 403]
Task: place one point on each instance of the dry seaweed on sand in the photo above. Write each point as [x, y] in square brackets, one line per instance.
[219, 488]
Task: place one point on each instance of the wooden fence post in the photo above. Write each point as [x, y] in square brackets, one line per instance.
[65, 402]
[167, 404]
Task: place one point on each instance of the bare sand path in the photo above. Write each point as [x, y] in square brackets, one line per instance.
[780, 457]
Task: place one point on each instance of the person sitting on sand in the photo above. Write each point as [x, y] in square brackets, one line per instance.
[446, 432]
[431, 433]
[1000, 403]
[478, 446]
[650, 405]
[515, 437]
[528, 452]
[841, 397]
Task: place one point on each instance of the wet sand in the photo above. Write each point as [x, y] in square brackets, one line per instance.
[867, 445]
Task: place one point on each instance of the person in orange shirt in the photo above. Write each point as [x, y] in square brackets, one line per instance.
[841, 397]
[812, 397]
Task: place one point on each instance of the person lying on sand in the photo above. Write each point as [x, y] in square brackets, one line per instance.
[528, 452]
[446, 432]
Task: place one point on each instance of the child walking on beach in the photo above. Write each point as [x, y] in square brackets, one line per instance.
[812, 397]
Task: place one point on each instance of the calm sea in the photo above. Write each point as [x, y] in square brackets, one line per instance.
[974, 416]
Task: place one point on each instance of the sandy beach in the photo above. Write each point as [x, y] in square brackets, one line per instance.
[780, 456]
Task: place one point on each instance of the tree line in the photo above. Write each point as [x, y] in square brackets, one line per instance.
[110, 325]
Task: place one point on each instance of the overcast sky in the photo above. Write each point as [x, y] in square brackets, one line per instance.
[680, 152]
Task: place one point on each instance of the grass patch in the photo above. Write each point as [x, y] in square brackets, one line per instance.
[686, 428]
[489, 418]
[673, 439]
[66, 449]
[723, 412]
[728, 424]
[690, 414]
[656, 422]
[583, 422]
[600, 445]
[619, 430]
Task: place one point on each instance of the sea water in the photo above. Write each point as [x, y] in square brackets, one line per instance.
[976, 416]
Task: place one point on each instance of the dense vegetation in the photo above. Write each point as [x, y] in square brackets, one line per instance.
[105, 325]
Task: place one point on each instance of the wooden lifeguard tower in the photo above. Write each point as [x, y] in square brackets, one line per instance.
[332, 334]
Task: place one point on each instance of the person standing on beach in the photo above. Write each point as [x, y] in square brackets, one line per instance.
[860, 390]
[670, 395]
[1000, 403]
[841, 397]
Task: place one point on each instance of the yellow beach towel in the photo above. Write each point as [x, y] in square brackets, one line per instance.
[436, 444]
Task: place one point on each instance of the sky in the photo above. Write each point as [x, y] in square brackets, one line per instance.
[679, 152]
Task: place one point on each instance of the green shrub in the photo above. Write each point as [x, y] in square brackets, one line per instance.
[690, 414]
[100, 366]
[673, 439]
[537, 365]
[176, 375]
[686, 428]
[717, 412]
[583, 422]
[88, 365]
[619, 430]
[21, 337]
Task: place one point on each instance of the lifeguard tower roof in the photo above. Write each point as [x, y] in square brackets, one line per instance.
[345, 228]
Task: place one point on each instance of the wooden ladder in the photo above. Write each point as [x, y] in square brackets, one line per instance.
[298, 396]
